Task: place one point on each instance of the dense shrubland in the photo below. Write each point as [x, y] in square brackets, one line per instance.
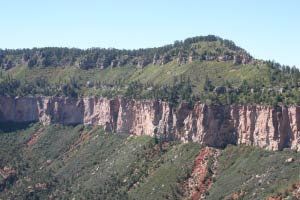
[100, 57]
[207, 69]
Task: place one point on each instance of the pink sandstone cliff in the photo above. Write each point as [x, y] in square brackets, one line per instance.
[263, 126]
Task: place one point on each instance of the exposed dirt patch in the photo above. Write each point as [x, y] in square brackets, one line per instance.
[83, 138]
[201, 180]
[35, 137]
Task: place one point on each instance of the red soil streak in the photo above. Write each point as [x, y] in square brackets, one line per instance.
[35, 137]
[201, 178]
[83, 137]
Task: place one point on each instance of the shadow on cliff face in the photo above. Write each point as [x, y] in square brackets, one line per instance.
[7, 127]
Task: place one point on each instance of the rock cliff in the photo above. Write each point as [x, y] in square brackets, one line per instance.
[218, 125]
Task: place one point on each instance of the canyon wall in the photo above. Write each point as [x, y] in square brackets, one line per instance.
[272, 128]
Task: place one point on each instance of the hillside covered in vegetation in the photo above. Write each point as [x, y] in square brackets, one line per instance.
[206, 68]
[87, 163]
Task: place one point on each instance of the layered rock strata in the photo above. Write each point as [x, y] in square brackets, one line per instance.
[272, 128]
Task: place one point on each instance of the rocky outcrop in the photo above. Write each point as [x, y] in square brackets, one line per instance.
[241, 59]
[142, 63]
[272, 128]
[161, 60]
[8, 175]
[223, 58]
[191, 56]
[113, 63]
[180, 59]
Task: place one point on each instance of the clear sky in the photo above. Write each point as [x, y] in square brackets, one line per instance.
[268, 29]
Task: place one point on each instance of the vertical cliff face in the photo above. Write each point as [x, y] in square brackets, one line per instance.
[13, 109]
[211, 125]
[59, 110]
[263, 126]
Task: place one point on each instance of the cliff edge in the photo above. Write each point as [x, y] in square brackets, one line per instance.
[271, 128]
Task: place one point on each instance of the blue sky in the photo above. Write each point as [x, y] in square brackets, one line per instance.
[268, 29]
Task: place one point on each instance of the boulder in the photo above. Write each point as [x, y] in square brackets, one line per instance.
[289, 160]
